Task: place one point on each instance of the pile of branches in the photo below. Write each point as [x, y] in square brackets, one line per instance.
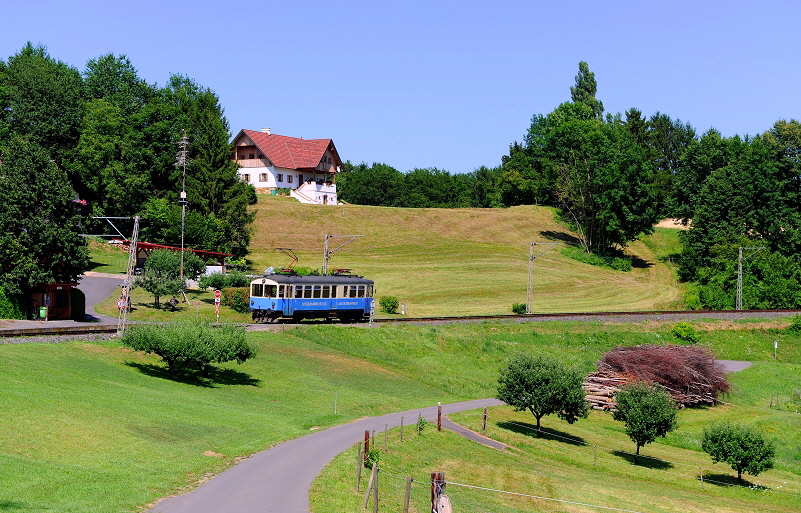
[690, 374]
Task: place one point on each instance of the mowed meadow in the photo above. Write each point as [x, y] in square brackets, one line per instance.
[91, 426]
[462, 261]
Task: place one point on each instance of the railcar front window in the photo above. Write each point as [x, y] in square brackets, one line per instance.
[258, 290]
[270, 290]
[369, 291]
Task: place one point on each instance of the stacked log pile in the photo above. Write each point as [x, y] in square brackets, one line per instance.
[690, 374]
[600, 389]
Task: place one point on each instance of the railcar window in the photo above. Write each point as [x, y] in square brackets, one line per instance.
[361, 291]
[352, 291]
[307, 291]
[326, 291]
[281, 291]
[369, 291]
[258, 290]
[270, 290]
[317, 291]
[298, 291]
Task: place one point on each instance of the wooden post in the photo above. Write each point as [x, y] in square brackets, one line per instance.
[370, 486]
[439, 417]
[484, 423]
[437, 488]
[375, 489]
[386, 426]
[366, 446]
[408, 494]
[359, 467]
[401, 438]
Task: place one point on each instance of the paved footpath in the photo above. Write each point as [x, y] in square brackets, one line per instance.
[278, 479]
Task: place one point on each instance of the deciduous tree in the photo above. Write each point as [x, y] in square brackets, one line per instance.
[40, 225]
[647, 410]
[742, 447]
[542, 386]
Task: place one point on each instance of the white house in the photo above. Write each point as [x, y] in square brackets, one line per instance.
[307, 167]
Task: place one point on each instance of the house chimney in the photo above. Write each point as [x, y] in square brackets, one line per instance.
[266, 131]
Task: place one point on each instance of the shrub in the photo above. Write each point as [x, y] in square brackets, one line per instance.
[421, 424]
[191, 344]
[212, 281]
[372, 457]
[795, 326]
[237, 298]
[11, 306]
[685, 331]
[221, 281]
[519, 308]
[389, 304]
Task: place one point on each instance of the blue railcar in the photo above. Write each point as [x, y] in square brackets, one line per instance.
[289, 297]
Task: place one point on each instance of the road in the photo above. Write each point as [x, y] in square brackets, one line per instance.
[278, 480]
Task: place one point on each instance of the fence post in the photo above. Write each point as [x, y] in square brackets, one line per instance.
[484, 423]
[408, 494]
[373, 475]
[366, 445]
[439, 417]
[375, 490]
[359, 467]
[437, 488]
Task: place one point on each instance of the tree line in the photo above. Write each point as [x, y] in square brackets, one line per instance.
[610, 177]
[103, 142]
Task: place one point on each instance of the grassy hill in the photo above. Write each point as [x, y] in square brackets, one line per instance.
[95, 427]
[462, 261]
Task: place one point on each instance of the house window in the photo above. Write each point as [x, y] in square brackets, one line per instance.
[245, 178]
[263, 177]
[288, 178]
[261, 156]
[280, 177]
[250, 156]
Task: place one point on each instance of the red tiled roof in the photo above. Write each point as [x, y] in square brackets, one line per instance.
[289, 152]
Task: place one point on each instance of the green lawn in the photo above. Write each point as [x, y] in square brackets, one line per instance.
[95, 427]
[554, 468]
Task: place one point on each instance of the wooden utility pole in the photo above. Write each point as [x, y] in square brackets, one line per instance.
[439, 417]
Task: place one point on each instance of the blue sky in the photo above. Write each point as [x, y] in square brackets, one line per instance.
[439, 83]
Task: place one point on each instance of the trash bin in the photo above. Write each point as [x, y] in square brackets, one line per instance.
[274, 192]
[42, 312]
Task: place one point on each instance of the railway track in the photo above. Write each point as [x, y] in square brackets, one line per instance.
[660, 315]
